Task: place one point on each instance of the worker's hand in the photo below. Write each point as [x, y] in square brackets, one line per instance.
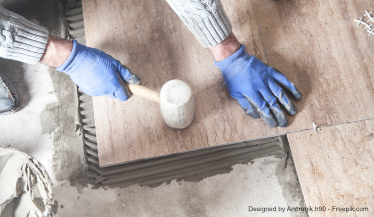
[256, 87]
[98, 74]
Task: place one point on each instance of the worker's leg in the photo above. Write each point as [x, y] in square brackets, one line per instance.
[9, 99]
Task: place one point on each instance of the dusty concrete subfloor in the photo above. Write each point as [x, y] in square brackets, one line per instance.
[45, 128]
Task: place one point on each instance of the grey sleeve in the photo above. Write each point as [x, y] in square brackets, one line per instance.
[206, 19]
[21, 39]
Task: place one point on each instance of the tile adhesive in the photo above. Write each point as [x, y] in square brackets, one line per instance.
[22, 176]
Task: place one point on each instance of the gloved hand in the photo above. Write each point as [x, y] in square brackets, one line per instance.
[98, 74]
[256, 87]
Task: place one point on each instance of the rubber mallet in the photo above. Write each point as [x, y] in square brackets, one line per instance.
[176, 101]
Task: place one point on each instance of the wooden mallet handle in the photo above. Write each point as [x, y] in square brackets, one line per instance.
[144, 92]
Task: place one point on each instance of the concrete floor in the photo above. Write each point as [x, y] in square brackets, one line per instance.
[45, 128]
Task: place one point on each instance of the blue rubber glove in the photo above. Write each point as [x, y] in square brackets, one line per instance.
[256, 87]
[98, 74]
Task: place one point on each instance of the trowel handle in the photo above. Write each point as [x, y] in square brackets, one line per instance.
[144, 92]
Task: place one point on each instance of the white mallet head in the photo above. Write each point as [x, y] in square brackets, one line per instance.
[177, 104]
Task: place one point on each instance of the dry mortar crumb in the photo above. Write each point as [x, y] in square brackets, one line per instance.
[315, 127]
[366, 23]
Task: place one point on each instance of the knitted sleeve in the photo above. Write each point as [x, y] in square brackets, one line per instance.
[206, 19]
[21, 39]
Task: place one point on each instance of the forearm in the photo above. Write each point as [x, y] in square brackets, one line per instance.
[205, 19]
[210, 25]
[21, 39]
[226, 48]
[56, 52]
